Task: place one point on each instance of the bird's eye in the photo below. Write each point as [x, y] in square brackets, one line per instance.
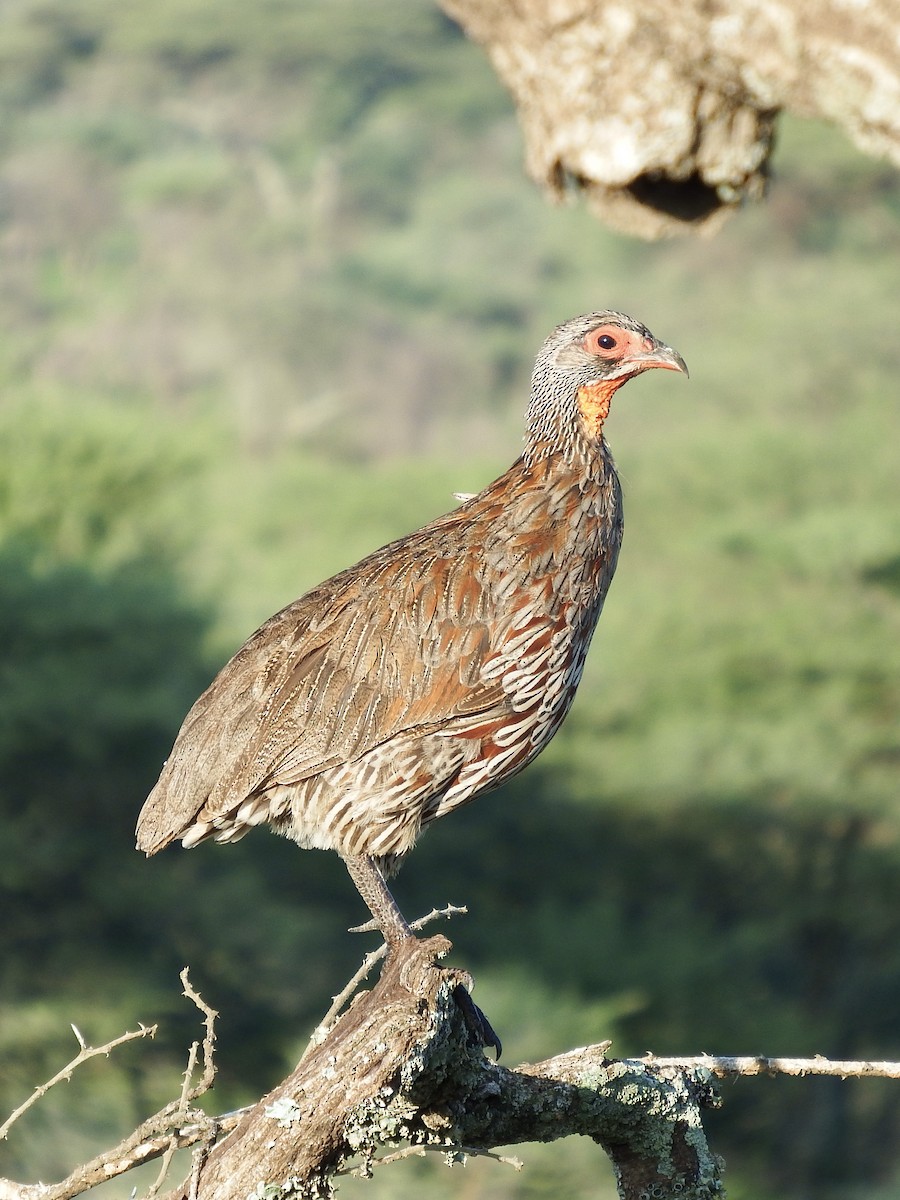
[604, 341]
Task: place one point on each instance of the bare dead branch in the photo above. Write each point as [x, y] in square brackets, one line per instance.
[400, 1069]
[725, 1067]
[172, 1146]
[398, 1075]
[175, 1126]
[451, 1157]
[85, 1053]
[190, 1093]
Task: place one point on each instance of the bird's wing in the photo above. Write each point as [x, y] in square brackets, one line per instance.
[393, 644]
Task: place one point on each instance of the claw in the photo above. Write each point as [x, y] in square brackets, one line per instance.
[477, 1022]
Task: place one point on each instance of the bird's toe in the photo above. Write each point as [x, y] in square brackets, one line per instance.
[477, 1023]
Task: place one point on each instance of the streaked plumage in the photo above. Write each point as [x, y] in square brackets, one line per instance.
[435, 668]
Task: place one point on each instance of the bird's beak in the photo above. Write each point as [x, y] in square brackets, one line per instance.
[661, 355]
[645, 353]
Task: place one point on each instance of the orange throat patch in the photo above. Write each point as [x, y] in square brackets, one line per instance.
[593, 404]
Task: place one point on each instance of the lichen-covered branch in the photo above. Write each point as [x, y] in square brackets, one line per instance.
[402, 1071]
[402, 1066]
[663, 114]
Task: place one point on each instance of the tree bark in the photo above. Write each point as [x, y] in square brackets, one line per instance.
[405, 1065]
[663, 114]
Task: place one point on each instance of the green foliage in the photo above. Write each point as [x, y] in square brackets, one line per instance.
[271, 284]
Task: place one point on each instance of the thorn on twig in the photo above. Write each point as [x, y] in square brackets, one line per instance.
[209, 1043]
[323, 1028]
[370, 926]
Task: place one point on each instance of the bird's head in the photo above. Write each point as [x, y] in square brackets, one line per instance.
[578, 369]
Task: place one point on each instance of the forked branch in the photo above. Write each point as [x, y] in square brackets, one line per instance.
[401, 1073]
[84, 1055]
[175, 1125]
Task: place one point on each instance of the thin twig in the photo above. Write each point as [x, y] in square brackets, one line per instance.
[201, 1153]
[453, 1155]
[324, 1027]
[166, 1162]
[209, 1042]
[190, 1092]
[85, 1052]
[180, 1111]
[508, 1160]
[451, 910]
[174, 1127]
[725, 1067]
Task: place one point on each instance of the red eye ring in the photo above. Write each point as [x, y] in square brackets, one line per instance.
[606, 342]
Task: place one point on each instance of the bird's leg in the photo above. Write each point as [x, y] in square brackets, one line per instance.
[365, 873]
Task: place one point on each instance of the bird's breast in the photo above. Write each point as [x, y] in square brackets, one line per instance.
[546, 569]
[551, 560]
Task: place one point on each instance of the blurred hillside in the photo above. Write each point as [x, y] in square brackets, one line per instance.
[272, 282]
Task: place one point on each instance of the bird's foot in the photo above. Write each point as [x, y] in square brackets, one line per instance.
[401, 950]
[477, 1023]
